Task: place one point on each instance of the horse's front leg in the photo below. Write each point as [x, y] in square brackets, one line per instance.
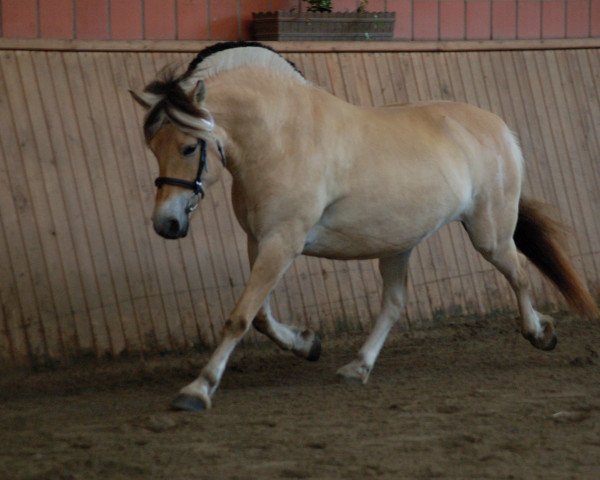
[275, 254]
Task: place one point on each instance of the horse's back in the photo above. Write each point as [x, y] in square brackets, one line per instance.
[457, 139]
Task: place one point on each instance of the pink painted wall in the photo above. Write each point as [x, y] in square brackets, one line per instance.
[230, 19]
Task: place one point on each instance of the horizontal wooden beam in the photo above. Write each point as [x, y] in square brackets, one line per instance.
[292, 47]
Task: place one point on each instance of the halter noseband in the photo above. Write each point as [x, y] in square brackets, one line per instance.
[196, 185]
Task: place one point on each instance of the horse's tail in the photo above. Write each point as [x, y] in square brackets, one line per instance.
[540, 238]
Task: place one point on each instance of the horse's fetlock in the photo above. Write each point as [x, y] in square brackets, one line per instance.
[210, 378]
[236, 326]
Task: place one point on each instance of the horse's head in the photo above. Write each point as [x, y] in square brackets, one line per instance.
[178, 130]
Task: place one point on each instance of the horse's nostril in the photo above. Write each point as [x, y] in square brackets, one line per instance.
[173, 228]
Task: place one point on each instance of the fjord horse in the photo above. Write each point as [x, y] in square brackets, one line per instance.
[317, 176]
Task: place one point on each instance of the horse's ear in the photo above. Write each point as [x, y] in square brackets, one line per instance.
[207, 119]
[145, 99]
[199, 92]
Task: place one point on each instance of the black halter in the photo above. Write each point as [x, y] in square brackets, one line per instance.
[196, 185]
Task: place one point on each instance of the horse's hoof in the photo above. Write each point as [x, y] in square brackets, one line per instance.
[547, 341]
[543, 343]
[355, 373]
[315, 350]
[188, 403]
[551, 345]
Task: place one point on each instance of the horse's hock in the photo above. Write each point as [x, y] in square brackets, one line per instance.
[84, 274]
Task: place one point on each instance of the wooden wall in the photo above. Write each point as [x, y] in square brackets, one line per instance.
[82, 273]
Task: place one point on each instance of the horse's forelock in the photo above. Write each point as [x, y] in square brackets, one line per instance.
[174, 104]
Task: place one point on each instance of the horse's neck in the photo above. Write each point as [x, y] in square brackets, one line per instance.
[248, 106]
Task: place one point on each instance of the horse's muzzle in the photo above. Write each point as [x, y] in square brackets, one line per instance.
[171, 228]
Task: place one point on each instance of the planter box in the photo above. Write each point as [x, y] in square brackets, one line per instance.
[323, 26]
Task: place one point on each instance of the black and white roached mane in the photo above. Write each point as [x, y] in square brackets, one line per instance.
[169, 97]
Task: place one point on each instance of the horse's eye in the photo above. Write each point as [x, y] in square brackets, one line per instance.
[189, 150]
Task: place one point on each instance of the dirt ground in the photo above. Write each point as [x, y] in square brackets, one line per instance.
[469, 400]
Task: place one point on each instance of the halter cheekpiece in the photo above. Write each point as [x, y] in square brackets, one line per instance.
[196, 185]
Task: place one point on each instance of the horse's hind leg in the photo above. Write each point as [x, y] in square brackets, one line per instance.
[303, 343]
[494, 240]
[393, 271]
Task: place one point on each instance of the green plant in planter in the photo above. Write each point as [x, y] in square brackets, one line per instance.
[319, 5]
[325, 5]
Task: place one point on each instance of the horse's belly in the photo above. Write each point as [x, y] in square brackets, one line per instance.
[348, 244]
[359, 229]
